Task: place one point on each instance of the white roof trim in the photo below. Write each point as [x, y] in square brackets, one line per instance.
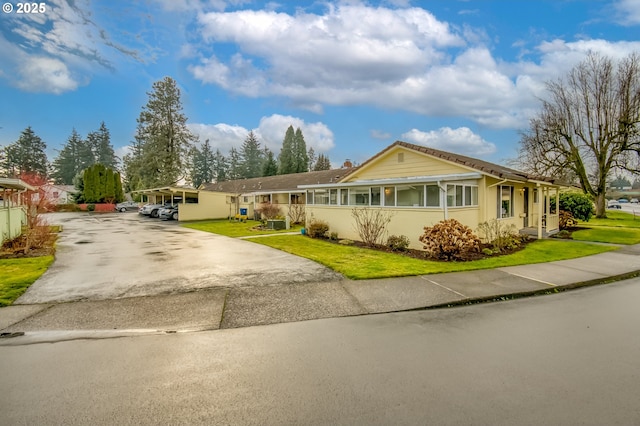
[395, 181]
[7, 183]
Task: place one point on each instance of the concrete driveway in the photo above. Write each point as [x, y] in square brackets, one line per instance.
[117, 255]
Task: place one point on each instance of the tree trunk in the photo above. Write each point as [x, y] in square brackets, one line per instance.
[601, 206]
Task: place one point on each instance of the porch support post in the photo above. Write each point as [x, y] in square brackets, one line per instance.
[540, 201]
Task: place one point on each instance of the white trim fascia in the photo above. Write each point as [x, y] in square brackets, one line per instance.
[395, 181]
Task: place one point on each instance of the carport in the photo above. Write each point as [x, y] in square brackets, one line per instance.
[173, 194]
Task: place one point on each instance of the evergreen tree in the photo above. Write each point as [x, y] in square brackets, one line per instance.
[311, 155]
[162, 137]
[132, 167]
[220, 167]
[100, 144]
[118, 187]
[99, 184]
[286, 161]
[270, 167]
[252, 157]
[301, 159]
[74, 157]
[202, 165]
[109, 187]
[235, 165]
[322, 163]
[89, 183]
[26, 155]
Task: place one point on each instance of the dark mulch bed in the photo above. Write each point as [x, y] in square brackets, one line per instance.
[12, 250]
[420, 254]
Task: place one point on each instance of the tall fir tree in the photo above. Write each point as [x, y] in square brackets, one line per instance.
[286, 160]
[73, 158]
[220, 167]
[100, 143]
[235, 165]
[311, 156]
[202, 165]
[26, 155]
[270, 167]
[252, 157]
[301, 158]
[162, 137]
[322, 163]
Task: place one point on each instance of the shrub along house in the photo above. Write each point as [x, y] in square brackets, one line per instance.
[420, 186]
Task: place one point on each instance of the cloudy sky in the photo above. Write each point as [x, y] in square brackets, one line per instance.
[458, 75]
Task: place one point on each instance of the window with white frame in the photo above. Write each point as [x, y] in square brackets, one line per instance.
[310, 197]
[410, 195]
[321, 197]
[433, 195]
[390, 196]
[462, 195]
[333, 197]
[375, 196]
[505, 201]
[359, 196]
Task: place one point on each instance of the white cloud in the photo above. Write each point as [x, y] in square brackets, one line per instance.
[37, 73]
[628, 11]
[270, 132]
[273, 128]
[461, 140]
[399, 59]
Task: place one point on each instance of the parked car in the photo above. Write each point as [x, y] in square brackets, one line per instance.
[127, 205]
[634, 201]
[623, 200]
[168, 213]
[614, 204]
[152, 210]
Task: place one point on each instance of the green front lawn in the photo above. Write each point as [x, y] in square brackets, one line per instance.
[16, 275]
[612, 235]
[358, 263]
[618, 228]
[235, 229]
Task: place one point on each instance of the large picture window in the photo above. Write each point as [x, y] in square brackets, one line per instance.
[505, 201]
[358, 196]
[410, 195]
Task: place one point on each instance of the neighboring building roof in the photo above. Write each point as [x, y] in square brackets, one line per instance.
[278, 183]
[66, 188]
[473, 163]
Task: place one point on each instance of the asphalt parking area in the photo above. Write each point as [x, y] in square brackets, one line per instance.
[118, 255]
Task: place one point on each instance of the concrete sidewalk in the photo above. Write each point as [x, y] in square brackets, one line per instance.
[220, 308]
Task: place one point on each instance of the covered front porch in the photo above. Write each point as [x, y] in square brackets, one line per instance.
[540, 220]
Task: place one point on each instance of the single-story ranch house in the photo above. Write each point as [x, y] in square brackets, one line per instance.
[417, 185]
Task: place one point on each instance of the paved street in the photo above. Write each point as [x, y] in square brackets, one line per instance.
[116, 255]
[569, 359]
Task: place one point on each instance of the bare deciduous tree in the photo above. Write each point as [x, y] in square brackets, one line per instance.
[371, 224]
[588, 127]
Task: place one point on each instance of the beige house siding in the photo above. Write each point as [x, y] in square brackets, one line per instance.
[401, 162]
[12, 219]
[211, 205]
[409, 222]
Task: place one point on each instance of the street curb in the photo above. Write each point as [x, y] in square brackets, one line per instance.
[524, 294]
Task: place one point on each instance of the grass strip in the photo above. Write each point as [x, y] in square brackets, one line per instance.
[16, 275]
[235, 229]
[359, 263]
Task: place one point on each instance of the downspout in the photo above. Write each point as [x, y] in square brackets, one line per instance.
[444, 199]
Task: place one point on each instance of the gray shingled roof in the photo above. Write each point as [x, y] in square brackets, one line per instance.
[278, 183]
